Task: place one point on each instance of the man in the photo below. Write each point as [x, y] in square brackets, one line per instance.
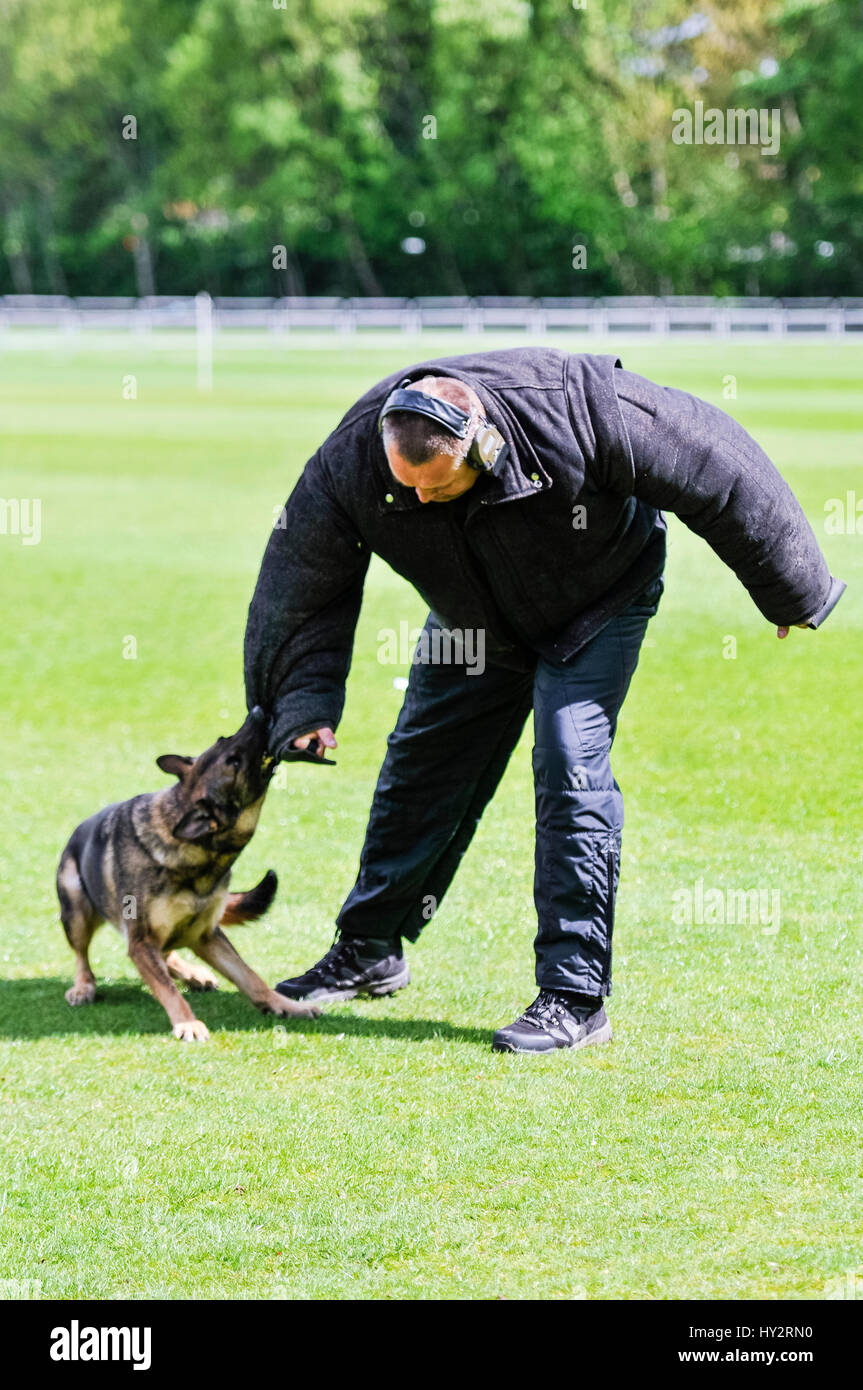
[520, 492]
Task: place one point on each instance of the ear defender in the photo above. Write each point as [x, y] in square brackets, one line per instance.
[488, 447]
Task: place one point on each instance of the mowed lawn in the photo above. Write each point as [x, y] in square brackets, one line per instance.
[713, 1150]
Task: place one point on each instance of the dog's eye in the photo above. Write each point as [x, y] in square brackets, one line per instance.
[233, 760]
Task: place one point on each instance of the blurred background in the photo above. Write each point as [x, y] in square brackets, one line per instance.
[426, 147]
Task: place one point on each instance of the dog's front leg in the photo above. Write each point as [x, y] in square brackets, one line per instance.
[217, 951]
[149, 961]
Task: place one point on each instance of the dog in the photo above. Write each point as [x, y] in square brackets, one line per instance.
[158, 868]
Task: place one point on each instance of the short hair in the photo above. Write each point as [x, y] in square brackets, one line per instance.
[418, 438]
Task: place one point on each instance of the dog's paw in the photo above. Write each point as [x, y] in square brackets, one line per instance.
[81, 994]
[305, 1010]
[190, 1030]
[202, 979]
[279, 1004]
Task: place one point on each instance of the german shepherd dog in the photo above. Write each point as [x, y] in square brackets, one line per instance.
[158, 868]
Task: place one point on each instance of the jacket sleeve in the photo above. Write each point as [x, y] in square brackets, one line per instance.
[691, 458]
[300, 629]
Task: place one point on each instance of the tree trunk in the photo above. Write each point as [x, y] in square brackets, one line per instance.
[53, 265]
[144, 266]
[362, 267]
[290, 281]
[15, 248]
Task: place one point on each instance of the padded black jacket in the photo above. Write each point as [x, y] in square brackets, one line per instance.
[540, 557]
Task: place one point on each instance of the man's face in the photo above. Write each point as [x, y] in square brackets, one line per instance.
[442, 479]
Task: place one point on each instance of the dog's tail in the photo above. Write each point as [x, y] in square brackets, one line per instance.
[249, 906]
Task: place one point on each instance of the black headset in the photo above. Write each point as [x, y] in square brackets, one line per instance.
[488, 447]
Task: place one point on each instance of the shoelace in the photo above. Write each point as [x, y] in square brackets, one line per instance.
[341, 952]
[546, 1008]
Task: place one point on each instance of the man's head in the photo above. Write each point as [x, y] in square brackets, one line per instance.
[425, 456]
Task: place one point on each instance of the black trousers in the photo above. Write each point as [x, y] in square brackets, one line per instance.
[448, 751]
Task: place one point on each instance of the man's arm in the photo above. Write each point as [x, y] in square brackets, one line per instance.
[691, 458]
[300, 629]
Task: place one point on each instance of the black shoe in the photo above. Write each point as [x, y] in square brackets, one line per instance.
[345, 971]
[552, 1021]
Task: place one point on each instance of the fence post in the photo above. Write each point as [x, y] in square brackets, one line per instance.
[204, 340]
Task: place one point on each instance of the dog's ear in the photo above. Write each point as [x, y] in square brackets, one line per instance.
[197, 823]
[175, 764]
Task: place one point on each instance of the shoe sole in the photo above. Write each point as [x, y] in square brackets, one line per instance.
[380, 990]
[602, 1035]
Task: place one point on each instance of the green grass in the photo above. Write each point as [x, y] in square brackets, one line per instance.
[384, 1151]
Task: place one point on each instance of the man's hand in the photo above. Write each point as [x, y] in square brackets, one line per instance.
[784, 631]
[325, 738]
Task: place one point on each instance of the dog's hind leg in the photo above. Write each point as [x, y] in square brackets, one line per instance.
[195, 976]
[80, 919]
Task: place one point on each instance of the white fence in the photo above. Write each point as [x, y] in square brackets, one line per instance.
[638, 314]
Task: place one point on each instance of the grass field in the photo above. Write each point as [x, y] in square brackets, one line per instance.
[713, 1150]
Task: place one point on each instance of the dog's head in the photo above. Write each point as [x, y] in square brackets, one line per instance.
[216, 788]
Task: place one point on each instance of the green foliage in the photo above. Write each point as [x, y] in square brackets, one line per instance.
[818, 88]
[502, 135]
